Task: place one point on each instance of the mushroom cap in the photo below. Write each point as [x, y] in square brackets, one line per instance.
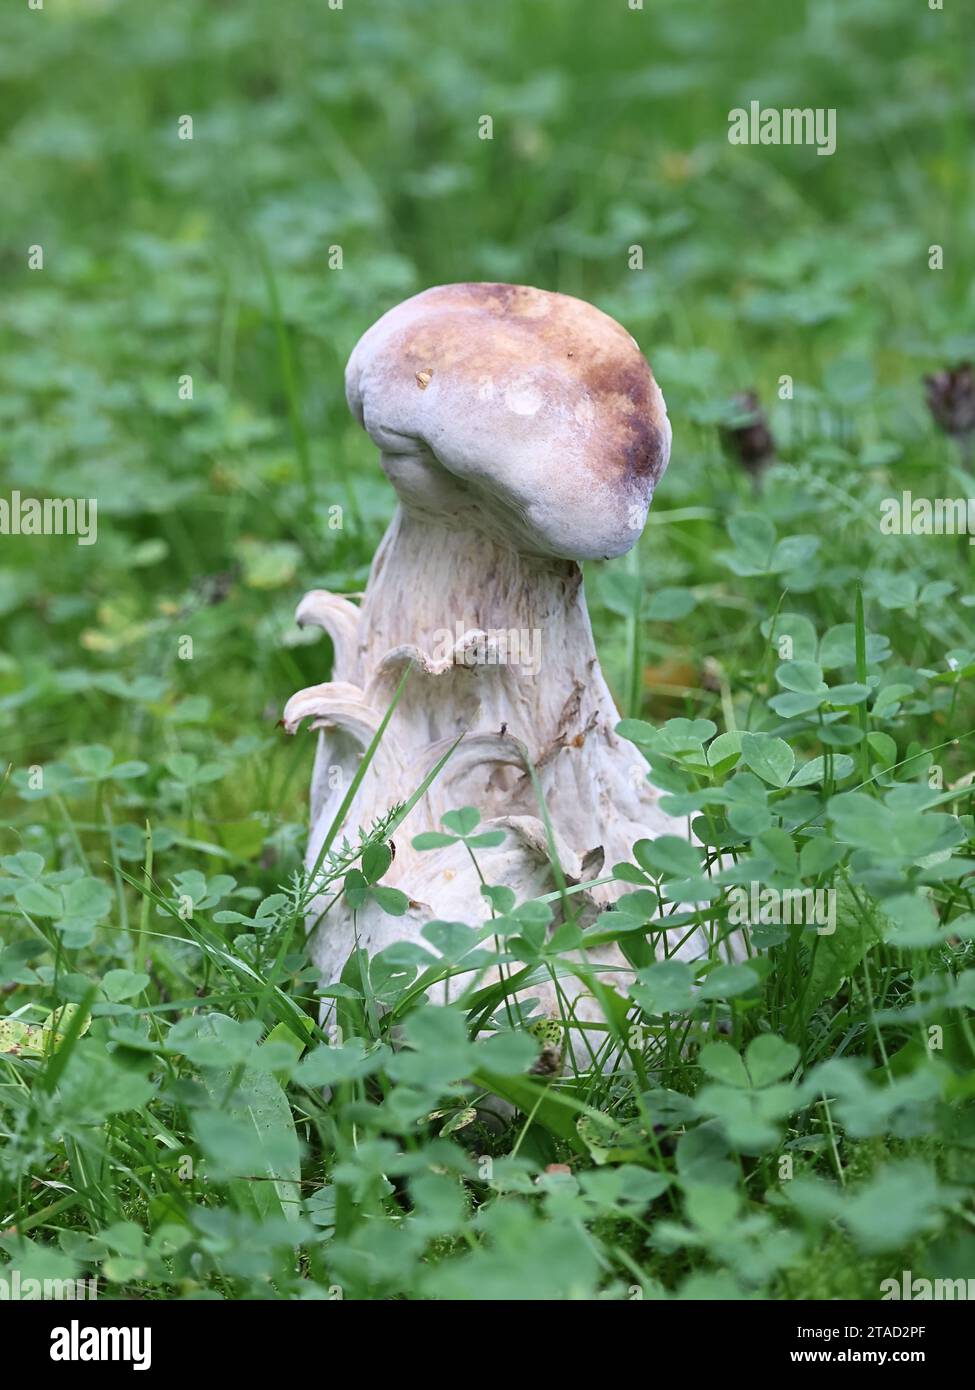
[534, 411]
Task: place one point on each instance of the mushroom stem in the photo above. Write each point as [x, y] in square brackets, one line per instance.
[433, 582]
[504, 654]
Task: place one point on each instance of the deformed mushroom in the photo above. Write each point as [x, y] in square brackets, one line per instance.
[523, 432]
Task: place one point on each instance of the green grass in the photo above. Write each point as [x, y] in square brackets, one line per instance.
[172, 1132]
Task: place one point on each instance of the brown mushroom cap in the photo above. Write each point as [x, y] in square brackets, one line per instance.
[539, 405]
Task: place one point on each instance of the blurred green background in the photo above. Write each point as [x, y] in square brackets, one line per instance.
[357, 128]
[336, 168]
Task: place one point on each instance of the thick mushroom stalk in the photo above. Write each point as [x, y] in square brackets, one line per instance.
[523, 432]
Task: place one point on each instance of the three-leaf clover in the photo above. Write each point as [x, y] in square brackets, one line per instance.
[460, 827]
[362, 885]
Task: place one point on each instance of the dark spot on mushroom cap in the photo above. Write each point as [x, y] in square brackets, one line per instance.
[641, 441]
[643, 454]
[500, 293]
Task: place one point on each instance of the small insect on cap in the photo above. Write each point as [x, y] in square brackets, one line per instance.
[534, 413]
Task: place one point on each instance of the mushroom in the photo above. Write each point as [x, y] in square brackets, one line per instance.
[523, 432]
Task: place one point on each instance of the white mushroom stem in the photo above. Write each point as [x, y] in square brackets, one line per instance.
[430, 581]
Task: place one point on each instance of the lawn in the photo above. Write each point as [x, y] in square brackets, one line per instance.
[206, 205]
